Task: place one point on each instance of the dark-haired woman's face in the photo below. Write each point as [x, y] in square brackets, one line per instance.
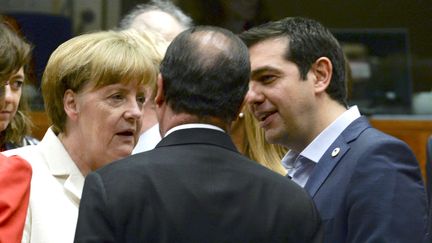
[11, 96]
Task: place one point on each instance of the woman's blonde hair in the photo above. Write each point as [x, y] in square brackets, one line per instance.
[15, 53]
[257, 148]
[100, 58]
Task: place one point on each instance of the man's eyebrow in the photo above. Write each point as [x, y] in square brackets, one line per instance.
[259, 71]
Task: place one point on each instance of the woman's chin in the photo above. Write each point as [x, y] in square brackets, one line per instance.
[3, 125]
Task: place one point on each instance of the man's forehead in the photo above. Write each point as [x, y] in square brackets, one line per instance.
[267, 51]
[158, 21]
[278, 43]
[268, 56]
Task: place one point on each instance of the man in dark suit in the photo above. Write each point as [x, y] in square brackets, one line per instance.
[366, 184]
[195, 186]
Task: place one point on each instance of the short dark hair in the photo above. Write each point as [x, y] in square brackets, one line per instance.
[206, 78]
[308, 40]
[161, 5]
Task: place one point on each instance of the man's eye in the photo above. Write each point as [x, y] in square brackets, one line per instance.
[267, 78]
[16, 84]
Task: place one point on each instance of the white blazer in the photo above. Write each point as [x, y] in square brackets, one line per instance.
[55, 192]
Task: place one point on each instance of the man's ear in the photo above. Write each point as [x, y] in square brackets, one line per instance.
[160, 97]
[323, 71]
[70, 104]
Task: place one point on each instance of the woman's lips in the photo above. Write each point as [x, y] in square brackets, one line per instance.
[5, 114]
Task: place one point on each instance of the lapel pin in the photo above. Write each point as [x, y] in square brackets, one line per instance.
[335, 152]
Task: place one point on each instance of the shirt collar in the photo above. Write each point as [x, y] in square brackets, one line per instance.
[289, 159]
[193, 125]
[316, 149]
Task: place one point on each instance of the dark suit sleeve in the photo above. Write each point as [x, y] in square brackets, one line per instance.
[317, 228]
[386, 198]
[93, 220]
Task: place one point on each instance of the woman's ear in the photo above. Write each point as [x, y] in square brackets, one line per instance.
[70, 104]
[242, 108]
[160, 97]
[323, 71]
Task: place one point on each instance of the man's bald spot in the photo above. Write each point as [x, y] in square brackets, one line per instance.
[211, 43]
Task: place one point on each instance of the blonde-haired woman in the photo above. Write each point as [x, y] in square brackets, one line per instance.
[93, 88]
[250, 140]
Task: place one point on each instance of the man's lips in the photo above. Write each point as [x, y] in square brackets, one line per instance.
[264, 118]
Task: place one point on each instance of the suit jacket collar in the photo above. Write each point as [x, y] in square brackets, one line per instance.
[334, 154]
[61, 165]
[198, 136]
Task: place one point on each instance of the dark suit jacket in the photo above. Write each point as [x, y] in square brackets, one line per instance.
[371, 191]
[194, 187]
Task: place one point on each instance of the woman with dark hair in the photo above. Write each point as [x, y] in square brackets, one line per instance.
[15, 56]
[15, 173]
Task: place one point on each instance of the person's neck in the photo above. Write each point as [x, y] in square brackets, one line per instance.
[319, 119]
[75, 152]
[330, 113]
[170, 119]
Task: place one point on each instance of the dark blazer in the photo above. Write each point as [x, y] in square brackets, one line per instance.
[194, 187]
[371, 190]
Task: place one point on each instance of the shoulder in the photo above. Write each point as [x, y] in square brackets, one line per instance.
[14, 164]
[384, 160]
[32, 155]
[360, 131]
[279, 186]
[128, 169]
[373, 141]
[26, 152]
[21, 151]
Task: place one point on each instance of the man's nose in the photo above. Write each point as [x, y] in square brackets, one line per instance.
[254, 94]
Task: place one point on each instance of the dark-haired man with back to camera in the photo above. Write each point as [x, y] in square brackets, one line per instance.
[195, 186]
[366, 184]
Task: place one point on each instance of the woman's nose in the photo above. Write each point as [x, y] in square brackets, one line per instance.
[134, 110]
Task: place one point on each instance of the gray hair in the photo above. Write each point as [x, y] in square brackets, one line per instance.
[162, 5]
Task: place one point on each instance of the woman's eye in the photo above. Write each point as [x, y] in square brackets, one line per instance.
[140, 99]
[16, 84]
[117, 97]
